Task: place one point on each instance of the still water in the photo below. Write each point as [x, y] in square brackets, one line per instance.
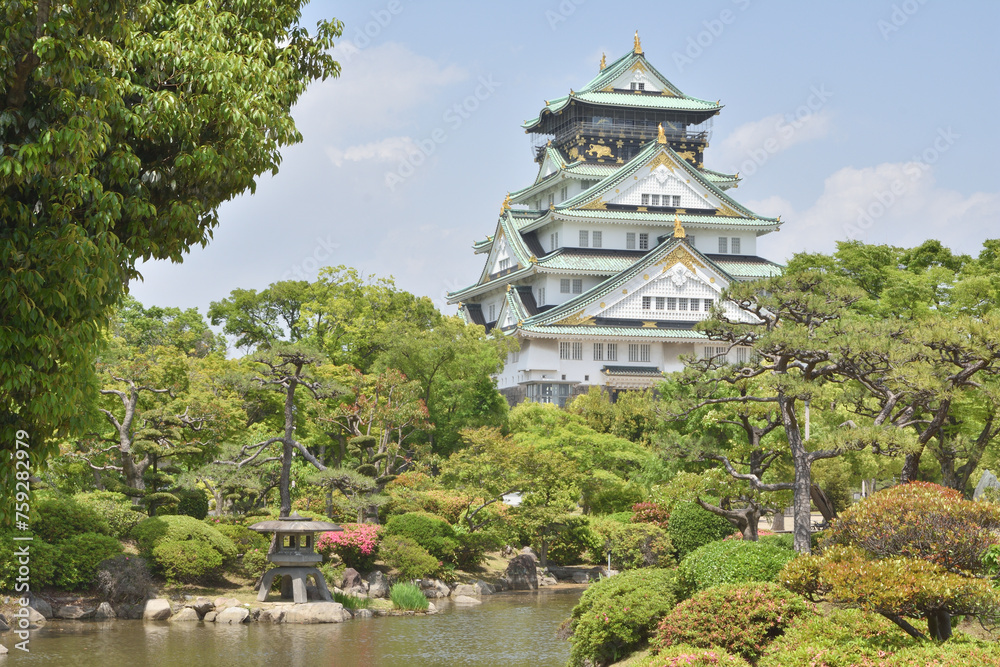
[509, 629]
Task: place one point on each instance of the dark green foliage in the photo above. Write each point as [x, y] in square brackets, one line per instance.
[408, 596]
[632, 545]
[44, 561]
[741, 618]
[612, 498]
[572, 540]
[472, 548]
[58, 518]
[254, 562]
[116, 508]
[844, 638]
[187, 561]
[242, 537]
[732, 562]
[175, 528]
[691, 527]
[407, 556]
[618, 615]
[430, 532]
[79, 557]
[192, 502]
[123, 579]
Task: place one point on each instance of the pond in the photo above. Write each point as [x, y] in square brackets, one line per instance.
[508, 629]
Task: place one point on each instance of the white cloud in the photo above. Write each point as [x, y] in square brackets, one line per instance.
[390, 149]
[377, 87]
[894, 203]
[752, 144]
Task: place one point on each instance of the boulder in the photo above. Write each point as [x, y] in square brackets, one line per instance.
[233, 615]
[41, 606]
[464, 589]
[157, 609]
[528, 551]
[185, 615]
[222, 603]
[3, 624]
[467, 601]
[105, 612]
[274, 615]
[546, 580]
[352, 579]
[378, 587]
[3, 650]
[131, 612]
[521, 573]
[434, 588]
[210, 616]
[484, 588]
[202, 605]
[364, 613]
[317, 612]
[35, 618]
[74, 612]
[581, 578]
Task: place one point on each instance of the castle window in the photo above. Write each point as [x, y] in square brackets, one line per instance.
[694, 304]
[638, 352]
[676, 200]
[638, 86]
[577, 285]
[564, 285]
[564, 350]
[563, 192]
[645, 200]
[553, 241]
[654, 200]
[708, 305]
[647, 302]
[584, 238]
[504, 263]
[682, 303]
[659, 302]
[741, 355]
[598, 351]
[577, 351]
[492, 313]
[643, 241]
[541, 296]
[734, 245]
[671, 303]
[612, 351]
[596, 238]
[723, 244]
[630, 240]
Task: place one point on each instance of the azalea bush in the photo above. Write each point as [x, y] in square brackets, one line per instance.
[618, 614]
[741, 618]
[650, 512]
[356, 545]
[690, 656]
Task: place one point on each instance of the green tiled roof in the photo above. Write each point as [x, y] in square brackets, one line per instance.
[589, 169]
[750, 269]
[634, 332]
[665, 218]
[604, 264]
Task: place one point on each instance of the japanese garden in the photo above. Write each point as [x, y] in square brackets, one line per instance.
[626, 438]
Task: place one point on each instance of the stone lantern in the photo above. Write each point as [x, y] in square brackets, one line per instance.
[293, 556]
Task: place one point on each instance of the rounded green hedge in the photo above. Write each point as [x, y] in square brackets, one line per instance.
[571, 541]
[44, 561]
[57, 518]
[431, 532]
[617, 615]
[732, 562]
[187, 561]
[409, 558]
[633, 545]
[841, 639]
[116, 508]
[177, 528]
[690, 527]
[241, 536]
[79, 557]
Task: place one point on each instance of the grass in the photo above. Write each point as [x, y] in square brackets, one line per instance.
[408, 596]
[351, 602]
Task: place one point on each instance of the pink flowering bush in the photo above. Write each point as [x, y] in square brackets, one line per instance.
[356, 546]
[689, 656]
[741, 618]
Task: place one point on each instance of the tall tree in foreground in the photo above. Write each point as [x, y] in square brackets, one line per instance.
[125, 125]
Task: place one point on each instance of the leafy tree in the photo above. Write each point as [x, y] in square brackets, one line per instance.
[259, 319]
[112, 153]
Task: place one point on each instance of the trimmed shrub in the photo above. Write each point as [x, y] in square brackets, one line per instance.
[408, 596]
[79, 557]
[430, 532]
[58, 518]
[741, 618]
[615, 496]
[633, 545]
[411, 559]
[617, 615]
[690, 656]
[691, 527]
[844, 638]
[959, 651]
[123, 579]
[783, 540]
[44, 559]
[567, 546]
[116, 508]
[650, 512]
[187, 561]
[357, 545]
[732, 562]
[192, 502]
[177, 528]
[242, 537]
[254, 562]
[472, 548]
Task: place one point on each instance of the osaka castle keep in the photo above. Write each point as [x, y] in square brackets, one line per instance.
[624, 241]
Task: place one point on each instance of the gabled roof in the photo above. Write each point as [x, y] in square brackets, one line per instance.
[598, 91]
[507, 229]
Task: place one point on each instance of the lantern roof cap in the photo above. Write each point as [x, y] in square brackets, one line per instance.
[294, 524]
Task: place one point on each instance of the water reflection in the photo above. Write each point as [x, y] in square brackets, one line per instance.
[509, 629]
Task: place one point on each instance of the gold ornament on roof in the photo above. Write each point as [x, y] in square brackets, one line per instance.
[505, 206]
[661, 136]
[637, 47]
[679, 232]
[604, 62]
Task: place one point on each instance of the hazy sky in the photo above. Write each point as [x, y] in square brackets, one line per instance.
[867, 119]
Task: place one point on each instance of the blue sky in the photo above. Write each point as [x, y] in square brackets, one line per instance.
[853, 119]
